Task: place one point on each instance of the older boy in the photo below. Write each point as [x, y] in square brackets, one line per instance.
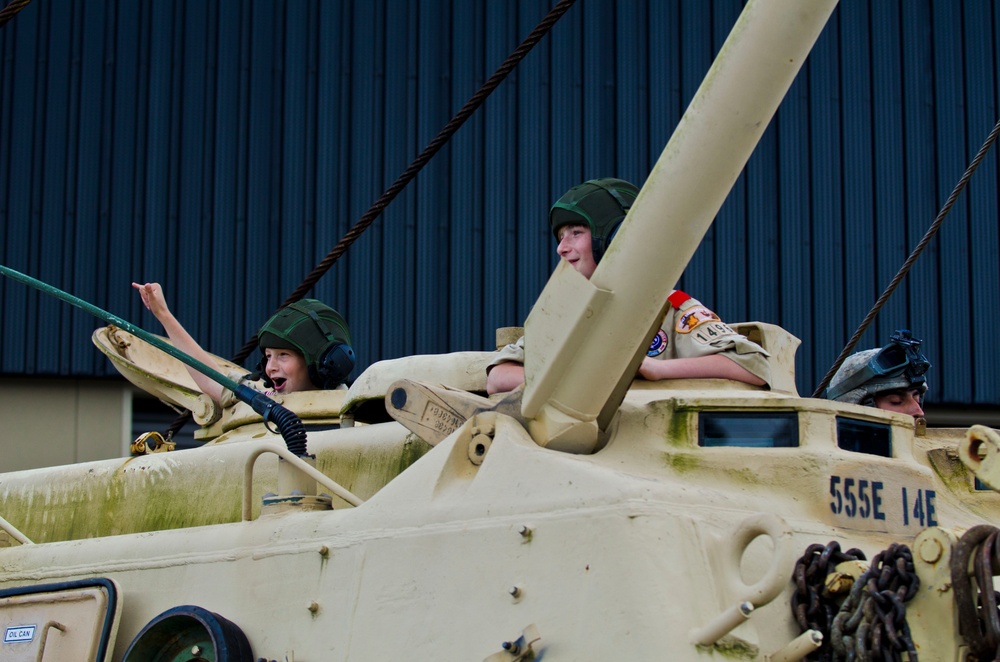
[692, 341]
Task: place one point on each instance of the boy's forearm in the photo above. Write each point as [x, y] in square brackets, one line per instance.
[504, 377]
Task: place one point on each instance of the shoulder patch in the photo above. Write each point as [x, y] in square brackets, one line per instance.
[659, 344]
[690, 320]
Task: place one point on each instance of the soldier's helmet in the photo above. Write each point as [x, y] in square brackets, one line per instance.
[319, 333]
[898, 365]
[600, 204]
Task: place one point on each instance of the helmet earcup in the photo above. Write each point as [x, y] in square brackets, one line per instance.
[260, 372]
[333, 366]
[600, 244]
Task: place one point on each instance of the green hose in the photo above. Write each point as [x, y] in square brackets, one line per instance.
[290, 427]
[155, 341]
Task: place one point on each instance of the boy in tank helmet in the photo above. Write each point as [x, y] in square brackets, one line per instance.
[891, 378]
[692, 341]
[306, 346]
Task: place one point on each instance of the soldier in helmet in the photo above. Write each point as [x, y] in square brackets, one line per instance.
[697, 343]
[891, 378]
[305, 345]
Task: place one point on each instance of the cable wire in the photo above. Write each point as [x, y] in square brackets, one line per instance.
[409, 173]
[905, 269]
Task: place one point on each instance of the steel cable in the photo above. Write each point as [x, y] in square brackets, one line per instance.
[905, 269]
[409, 173]
[11, 9]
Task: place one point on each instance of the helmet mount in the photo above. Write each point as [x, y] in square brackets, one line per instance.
[898, 365]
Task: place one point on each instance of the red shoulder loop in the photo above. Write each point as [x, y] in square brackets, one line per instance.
[678, 298]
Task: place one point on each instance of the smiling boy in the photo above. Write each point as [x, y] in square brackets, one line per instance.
[692, 341]
[306, 346]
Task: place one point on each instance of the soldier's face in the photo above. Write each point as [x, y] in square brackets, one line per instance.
[903, 401]
[575, 246]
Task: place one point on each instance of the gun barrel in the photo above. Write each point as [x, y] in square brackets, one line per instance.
[606, 329]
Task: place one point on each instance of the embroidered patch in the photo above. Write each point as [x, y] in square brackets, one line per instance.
[711, 332]
[690, 319]
[659, 344]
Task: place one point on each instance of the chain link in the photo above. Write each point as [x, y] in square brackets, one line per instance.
[871, 624]
[812, 607]
[978, 616]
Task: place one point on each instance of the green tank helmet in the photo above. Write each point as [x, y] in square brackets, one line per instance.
[898, 365]
[600, 204]
[319, 333]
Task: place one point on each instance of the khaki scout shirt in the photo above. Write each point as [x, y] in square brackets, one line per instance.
[688, 330]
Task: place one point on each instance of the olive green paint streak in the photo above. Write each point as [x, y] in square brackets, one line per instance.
[156, 493]
[679, 423]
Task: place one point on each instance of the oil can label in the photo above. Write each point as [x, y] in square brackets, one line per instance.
[19, 633]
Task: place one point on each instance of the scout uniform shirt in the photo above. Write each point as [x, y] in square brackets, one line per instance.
[688, 330]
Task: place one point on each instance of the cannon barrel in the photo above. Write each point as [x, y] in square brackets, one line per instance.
[584, 339]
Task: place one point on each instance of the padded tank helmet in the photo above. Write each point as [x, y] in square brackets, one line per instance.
[600, 204]
[319, 333]
[898, 365]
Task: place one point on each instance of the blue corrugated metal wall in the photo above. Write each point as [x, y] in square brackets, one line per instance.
[222, 148]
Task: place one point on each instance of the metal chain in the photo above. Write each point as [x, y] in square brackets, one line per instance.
[978, 616]
[812, 607]
[871, 624]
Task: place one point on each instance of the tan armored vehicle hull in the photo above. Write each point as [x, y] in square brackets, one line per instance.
[586, 516]
[636, 550]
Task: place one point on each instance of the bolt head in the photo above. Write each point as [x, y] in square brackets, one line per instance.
[931, 550]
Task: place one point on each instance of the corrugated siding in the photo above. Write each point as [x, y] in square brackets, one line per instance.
[223, 148]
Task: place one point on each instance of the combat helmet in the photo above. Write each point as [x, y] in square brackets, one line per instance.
[898, 365]
[319, 333]
[600, 204]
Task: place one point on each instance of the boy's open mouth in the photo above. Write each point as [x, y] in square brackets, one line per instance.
[279, 383]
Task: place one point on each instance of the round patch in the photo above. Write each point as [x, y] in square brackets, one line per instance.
[659, 344]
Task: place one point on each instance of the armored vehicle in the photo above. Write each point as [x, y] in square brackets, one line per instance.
[585, 516]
